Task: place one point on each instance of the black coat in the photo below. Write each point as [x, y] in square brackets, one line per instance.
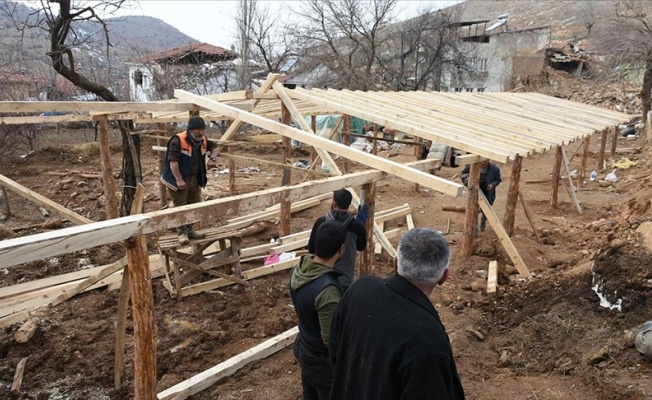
[387, 342]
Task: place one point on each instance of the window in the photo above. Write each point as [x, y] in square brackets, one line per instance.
[138, 77]
[482, 64]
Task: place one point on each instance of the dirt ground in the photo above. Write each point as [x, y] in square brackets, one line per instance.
[545, 338]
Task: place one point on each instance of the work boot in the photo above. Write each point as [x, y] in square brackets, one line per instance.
[183, 238]
[196, 235]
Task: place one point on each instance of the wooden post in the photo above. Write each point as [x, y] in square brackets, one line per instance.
[374, 150]
[369, 191]
[528, 215]
[107, 171]
[585, 155]
[614, 141]
[140, 279]
[512, 196]
[418, 149]
[162, 189]
[231, 172]
[471, 220]
[570, 180]
[313, 126]
[603, 144]
[555, 178]
[286, 211]
[286, 204]
[5, 197]
[347, 141]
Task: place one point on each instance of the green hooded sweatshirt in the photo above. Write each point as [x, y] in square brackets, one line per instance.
[326, 301]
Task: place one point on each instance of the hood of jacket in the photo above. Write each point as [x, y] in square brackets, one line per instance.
[307, 271]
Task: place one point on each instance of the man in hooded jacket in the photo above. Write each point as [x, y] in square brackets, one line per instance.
[315, 293]
[356, 238]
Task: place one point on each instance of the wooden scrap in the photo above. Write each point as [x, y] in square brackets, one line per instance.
[209, 377]
[27, 331]
[459, 209]
[18, 375]
[492, 278]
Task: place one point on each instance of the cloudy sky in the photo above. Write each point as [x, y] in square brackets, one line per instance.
[212, 21]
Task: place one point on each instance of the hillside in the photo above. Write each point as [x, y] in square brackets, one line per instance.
[26, 51]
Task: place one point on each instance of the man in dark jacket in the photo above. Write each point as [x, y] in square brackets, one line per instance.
[185, 169]
[387, 341]
[489, 179]
[315, 293]
[356, 239]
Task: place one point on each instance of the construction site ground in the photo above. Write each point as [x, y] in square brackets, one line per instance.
[543, 338]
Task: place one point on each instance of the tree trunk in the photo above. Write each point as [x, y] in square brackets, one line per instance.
[646, 102]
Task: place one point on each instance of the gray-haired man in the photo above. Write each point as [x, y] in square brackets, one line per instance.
[387, 341]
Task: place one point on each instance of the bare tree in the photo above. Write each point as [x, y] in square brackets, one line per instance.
[344, 37]
[62, 20]
[272, 43]
[628, 41]
[245, 19]
[587, 11]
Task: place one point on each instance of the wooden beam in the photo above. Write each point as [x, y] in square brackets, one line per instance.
[585, 154]
[424, 179]
[528, 215]
[43, 245]
[57, 119]
[554, 195]
[614, 140]
[570, 180]
[23, 315]
[18, 375]
[512, 196]
[492, 278]
[368, 198]
[502, 236]
[467, 159]
[108, 180]
[209, 377]
[43, 201]
[99, 107]
[603, 144]
[471, 217]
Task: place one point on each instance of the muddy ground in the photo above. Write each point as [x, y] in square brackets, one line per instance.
[545, 338]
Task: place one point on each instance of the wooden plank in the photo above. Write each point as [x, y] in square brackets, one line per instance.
[404, 124]
[467, 159]
[410, 222]
[585, 154]
[492, 278]
[377, 246]
[209, 377]
[99, 107]
[502, 236]
[570, 180]
[603, 144]
[512, 196]
[108, 181]
[23, 315]
[554, 194]
[400, 170]
[43, 201]
[528, 215]
[18, 375]
[57, 119]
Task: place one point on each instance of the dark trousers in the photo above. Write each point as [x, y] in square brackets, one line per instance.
[191, 195]
[316, 372]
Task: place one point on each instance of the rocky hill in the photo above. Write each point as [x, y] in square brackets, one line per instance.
[25, 51]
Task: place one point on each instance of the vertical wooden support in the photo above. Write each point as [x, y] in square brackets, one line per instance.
[140, 279]
[231, 172]
[554, 196]
[286, 204]
[512, 196]
[374, 150]
[418, 149]
[471, 218]
[614, 141]
[570, 180]
[107, 171]
[366, 267]
[5, 197]
[603, 144]
[313, 126]
[286, 207]
[123, 302]
[346, 131]
[585, 155]
[162, 189]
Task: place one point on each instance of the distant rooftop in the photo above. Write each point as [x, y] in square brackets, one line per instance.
[195, 53]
